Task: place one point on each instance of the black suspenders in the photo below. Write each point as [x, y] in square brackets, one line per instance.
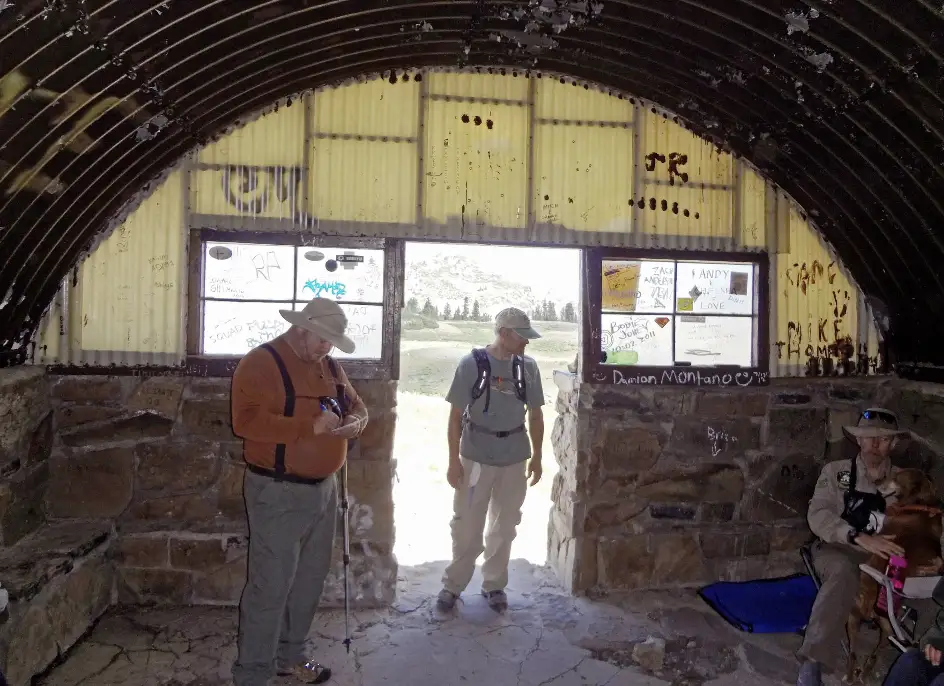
[289, 405]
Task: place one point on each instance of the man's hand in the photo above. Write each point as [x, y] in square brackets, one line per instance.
[326, 422]
[933, 655]
[350, 428]
[534, 469]
[882, 546]
[455, 473]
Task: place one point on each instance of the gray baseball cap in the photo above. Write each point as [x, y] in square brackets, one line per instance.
[516, 320]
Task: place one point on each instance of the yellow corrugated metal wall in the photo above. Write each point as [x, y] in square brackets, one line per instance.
[457, 156]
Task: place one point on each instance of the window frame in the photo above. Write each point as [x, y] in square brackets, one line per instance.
[595, 372]
[386, 368]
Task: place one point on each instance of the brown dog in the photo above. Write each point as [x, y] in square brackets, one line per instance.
[915, 522]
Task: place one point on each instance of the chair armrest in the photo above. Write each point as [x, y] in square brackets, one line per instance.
[874, 573]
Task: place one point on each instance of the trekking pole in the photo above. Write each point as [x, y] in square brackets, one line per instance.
[345, 508]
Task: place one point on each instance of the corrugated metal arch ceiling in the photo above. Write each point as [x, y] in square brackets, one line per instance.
[840, 103]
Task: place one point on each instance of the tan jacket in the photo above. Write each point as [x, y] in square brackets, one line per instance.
[826, 506]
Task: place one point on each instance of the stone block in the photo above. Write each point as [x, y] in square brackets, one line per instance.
[142, 551]
[710, 483]
[41, 441]
[608, 518]
[790, 538]
[138, 427]
[38, 632]
[625, 562]
[70, 416]
[95, 485]
[367, 475]
[87, 389]
[373, 576]
[784, 492]
[680, 512]
[627, 450]
[376, 443]
[211, 419]
[232, 451]
[379, 396]
[171, 468]
[718, 405]
[205, 554]
[186, 509]
[157, 394]
[21, 503]
[676, 560]
[222, 585]
[734, 544]
[230, 501]
[642, 402]
[717, 512]
[208, 387]
[24, 402]
[838, 417]
[797, 429]
[371, 515]
[696, 440]
[154, 586]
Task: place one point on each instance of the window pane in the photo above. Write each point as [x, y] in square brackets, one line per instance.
[642, 340]
[714, 340]
[235, 328]
[248, 271]
[637, 286]
[364, 327]
[715, 287]
[340, 274]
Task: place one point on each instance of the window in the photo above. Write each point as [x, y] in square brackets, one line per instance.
[243, 284]
[695, 317]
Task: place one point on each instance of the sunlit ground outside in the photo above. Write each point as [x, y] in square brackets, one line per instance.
[422, 496]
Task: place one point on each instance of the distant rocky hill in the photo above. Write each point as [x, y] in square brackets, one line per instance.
[449, 279]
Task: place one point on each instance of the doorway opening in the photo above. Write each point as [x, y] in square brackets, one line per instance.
[453, 292]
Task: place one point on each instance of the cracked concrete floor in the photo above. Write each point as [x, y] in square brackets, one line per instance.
[547, 638]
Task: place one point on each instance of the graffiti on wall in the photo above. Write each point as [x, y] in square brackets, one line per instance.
[824, 343]
[19, 94]
[251, 190]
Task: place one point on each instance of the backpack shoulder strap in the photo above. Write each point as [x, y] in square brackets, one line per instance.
[289, 410]
[517, 378]
[483, 376]
[339, 388]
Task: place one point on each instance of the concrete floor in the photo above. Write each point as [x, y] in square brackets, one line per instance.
[546, 638]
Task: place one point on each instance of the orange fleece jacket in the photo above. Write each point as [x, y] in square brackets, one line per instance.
[258, 406]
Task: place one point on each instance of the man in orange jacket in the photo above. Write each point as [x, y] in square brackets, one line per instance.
[295, 410]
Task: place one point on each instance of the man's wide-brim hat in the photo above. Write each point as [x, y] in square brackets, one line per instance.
[875, 422]
[323, 318]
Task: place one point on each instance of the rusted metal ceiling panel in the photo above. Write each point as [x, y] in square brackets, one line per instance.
[839, 103]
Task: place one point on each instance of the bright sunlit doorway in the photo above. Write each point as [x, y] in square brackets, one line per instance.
[452, 293]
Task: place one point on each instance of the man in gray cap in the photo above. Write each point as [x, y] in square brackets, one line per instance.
[492, 391]
[846, 515]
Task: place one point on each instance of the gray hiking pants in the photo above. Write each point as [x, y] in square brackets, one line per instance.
[291, 536]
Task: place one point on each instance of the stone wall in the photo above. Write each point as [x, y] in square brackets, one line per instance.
[58, 576]
[664, 487]
[157, 456]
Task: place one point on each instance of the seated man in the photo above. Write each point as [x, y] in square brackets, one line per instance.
[919, 667]
[846, 515]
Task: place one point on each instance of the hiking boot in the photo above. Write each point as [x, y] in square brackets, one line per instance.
[811, 674]
[446, 601]
[497, 600]
[307, 672]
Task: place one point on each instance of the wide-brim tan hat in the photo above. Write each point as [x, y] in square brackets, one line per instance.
[324, 318]
[875, 422]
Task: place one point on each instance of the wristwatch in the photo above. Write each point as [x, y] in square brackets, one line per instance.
[852, 536]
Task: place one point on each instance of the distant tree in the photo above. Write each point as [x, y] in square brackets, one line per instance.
[550, 311]
[428, 309]
[447, 312]
[465, 309]
[569, 314]
[476, 313]
[412, 305]
[457, 313]
[538, 314]
[486, 317]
